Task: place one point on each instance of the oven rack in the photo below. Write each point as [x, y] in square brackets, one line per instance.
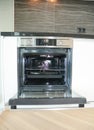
[44, 76]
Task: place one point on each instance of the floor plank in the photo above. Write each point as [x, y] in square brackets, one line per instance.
[23, 119]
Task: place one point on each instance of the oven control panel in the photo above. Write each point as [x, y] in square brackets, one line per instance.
[45, 42]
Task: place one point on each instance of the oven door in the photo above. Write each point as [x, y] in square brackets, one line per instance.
[44, 69]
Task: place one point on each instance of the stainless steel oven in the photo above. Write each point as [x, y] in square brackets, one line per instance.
[45, 72]
[45, 67]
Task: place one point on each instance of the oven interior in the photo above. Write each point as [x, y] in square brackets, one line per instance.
[44, 69]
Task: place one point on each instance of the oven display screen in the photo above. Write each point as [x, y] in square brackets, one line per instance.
[46, 42]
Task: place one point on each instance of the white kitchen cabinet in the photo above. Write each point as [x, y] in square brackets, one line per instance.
[83, 68]
[10, 67]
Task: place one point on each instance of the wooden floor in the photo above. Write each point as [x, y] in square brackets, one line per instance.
[76, 119]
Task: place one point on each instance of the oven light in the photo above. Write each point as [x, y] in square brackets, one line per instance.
[48, 56]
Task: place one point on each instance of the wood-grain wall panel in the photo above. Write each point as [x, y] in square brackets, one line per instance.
[63, 16]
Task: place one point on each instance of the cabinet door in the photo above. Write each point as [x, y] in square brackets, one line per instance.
[63, 16]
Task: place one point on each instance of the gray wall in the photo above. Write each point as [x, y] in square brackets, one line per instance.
[7, 15]
[63, 16]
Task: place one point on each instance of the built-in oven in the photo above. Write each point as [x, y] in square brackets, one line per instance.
[44, 68]
[45, 72]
